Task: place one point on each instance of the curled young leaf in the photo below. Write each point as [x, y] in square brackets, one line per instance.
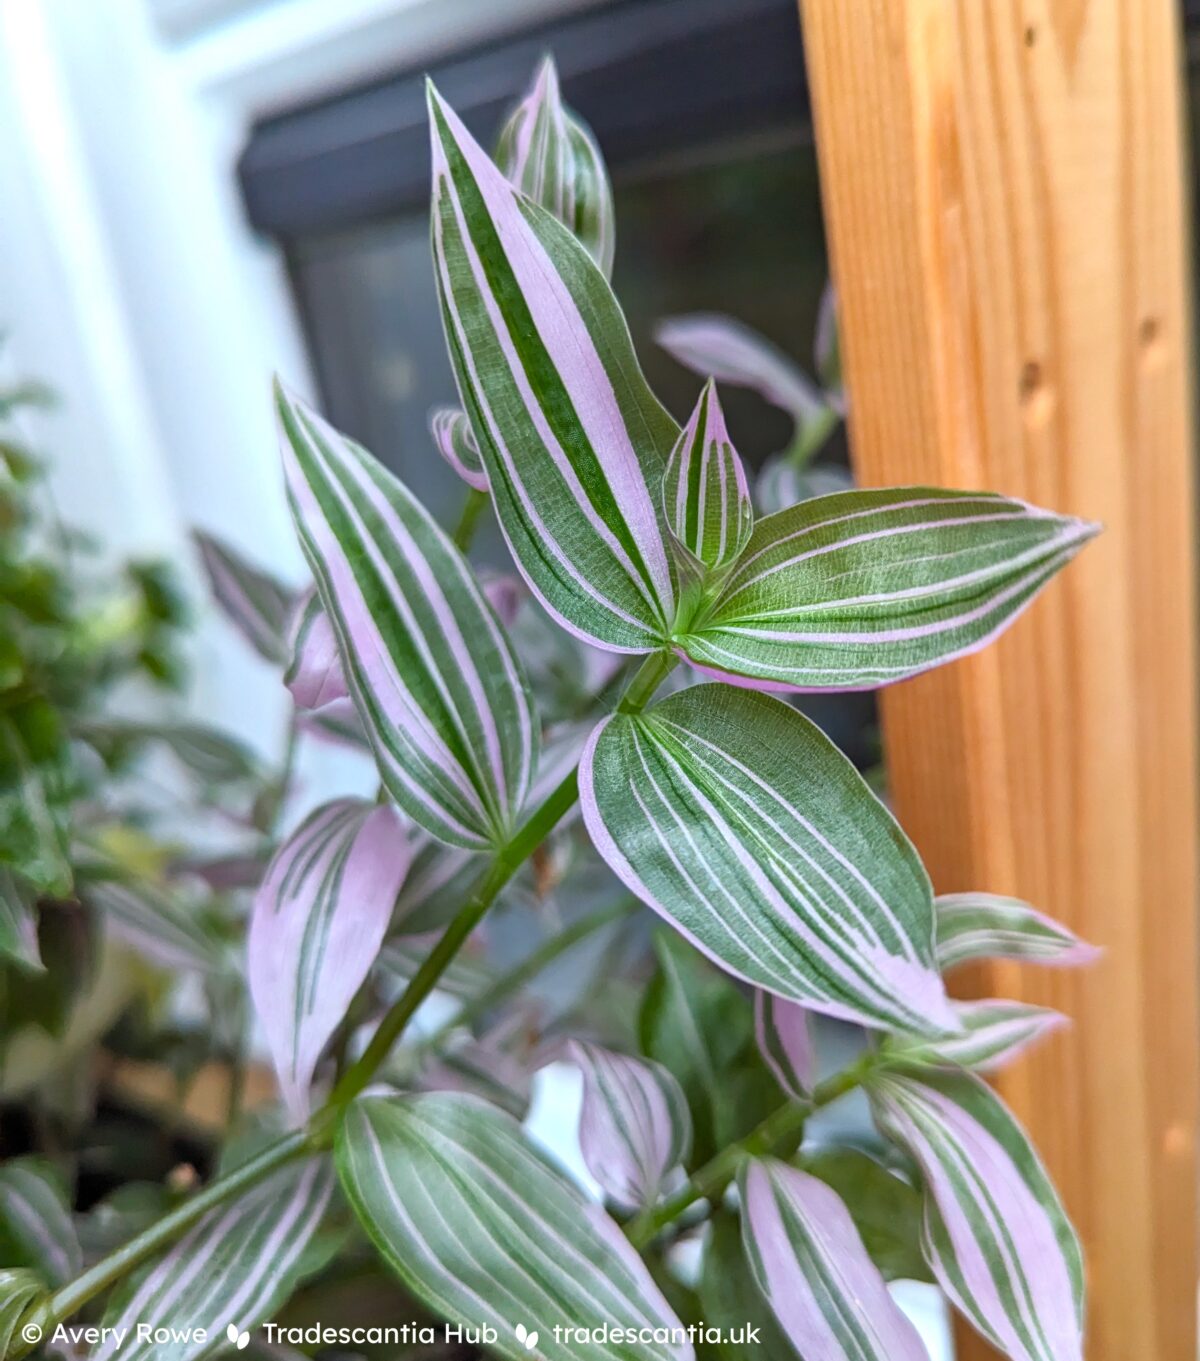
[994, 1033]
[736, 819]
[317, 925]
[259, 606]
[36, 1228]
[238, 1265]
[996, 1234]
[634, 1126]
[437, 686]
[455, 442]
[864, 588]
[810, 1263]
[549, 153]
[705, 495]
[785, 1042]
[573, 441]
[484, 1229]
[988, 926]
[315, 676]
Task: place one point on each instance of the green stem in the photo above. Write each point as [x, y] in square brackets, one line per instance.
[646, 679]
[468, 520]
[109, 1270]
[74, 1295]
[709, 1181]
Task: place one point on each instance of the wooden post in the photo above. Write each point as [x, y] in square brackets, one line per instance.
[1005, 197]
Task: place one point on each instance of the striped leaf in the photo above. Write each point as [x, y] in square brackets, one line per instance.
[634, 1126]
[259, 606]
[455, 442]
[439, 880]
[573, 441]
[18, 921]
[163, 926]
[336, 722]
[21, 1293]
[810, 1263]
[733, 816]
[995, 1032]
[549, 153]
[440, 693]
[315, 676]
[317, 925]
[466, 977]
[785, 1042]
[485, 1230]
[711, 344]
[987, 926]
[705, 495]
[238, 1265]
[36, 1228]
[863, 588]
[996, 1234]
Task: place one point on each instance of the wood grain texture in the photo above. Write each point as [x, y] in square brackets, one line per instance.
[1004, 191]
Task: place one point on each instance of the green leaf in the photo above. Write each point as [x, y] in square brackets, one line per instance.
[18, 921]
[34, 784]
[20, 1293]
[886, 1210]
[700, 1027]
[736, 819]
[486, 1231]
[36, 1229]
[863, 588]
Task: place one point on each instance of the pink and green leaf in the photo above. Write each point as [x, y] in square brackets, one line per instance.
[995, 1032]
[317, 925]
[315, 676]
[573, 441]
[810, 1263]
[785, 1041]
[996, 1234]
[737, 820]
[706, 498]
[860, 589]
[634, 1126]
[439, 691]
[455, 442]
[988, 926]
[258, 605]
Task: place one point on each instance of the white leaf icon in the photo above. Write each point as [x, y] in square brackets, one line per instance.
[240, 1340]
[520, 1332]
[531, 1341]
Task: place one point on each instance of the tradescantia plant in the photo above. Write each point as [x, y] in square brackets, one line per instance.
[797, 916]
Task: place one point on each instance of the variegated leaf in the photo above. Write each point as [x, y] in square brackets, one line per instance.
[20, 1292]
[238, 1265]
[484, 1229]
[259, 606]
[439, 880]
[318, 922]
[315, 676]
[988, 926]
[435, 681]
[161, 925]
[706, 498]
[711, 344]
[785, 1042]
[335, 722]
[573, 441]
[995, 1032]
[810, 1263]
[996, 1234]
[549, 153]
[18, 921]
[735, 818]
[466, 976]
[634, 1126]
[36, 1228]
[863, 588]
[455, 442]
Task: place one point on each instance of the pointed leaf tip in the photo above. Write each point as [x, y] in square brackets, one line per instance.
[706, 498]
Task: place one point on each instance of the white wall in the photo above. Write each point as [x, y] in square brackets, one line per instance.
[130, 281]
